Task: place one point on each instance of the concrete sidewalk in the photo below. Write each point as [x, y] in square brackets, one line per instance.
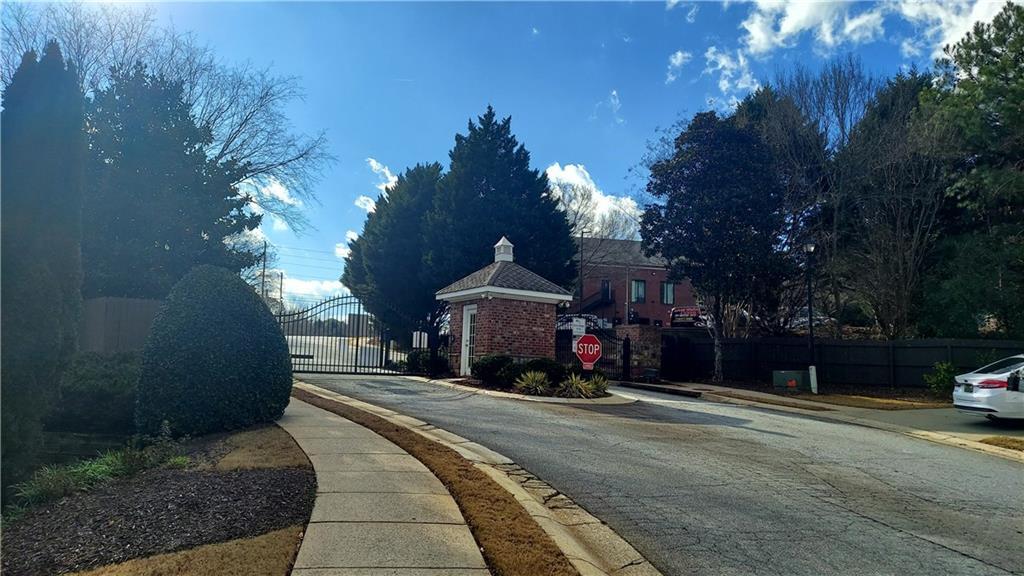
[942, 425]
[378, 510]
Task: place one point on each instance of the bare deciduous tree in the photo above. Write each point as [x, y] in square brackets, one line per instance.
[896, 184]
[242, 105]
[834, 98]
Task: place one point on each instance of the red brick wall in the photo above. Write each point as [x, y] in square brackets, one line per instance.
[620, 284]
[512, 327]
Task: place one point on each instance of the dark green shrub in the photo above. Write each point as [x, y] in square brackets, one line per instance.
[509, 374]
[555, 371]
[486, 369]
[418, 362]
[942, 379]
[215, 359]
[97, 394]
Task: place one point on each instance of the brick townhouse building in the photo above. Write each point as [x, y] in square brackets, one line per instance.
[621, 285]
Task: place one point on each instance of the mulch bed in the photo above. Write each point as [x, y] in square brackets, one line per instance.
[157, 511]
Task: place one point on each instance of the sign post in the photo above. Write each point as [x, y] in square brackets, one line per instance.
[588, 350]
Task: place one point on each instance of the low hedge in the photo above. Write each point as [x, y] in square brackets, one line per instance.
[487, 369]
[215, 359]
[97, 394]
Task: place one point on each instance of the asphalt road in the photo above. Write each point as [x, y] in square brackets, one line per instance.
[718, 489]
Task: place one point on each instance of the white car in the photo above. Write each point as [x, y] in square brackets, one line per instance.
[993, 390]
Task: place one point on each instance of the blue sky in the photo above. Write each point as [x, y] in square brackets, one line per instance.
[587, 84]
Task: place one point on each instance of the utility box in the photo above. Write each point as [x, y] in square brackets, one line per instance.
[791, 380]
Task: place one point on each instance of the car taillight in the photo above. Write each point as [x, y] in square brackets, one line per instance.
[992, 384]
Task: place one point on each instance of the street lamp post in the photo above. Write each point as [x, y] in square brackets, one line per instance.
[812, 372]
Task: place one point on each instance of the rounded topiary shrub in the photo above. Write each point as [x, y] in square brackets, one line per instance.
[215, 359]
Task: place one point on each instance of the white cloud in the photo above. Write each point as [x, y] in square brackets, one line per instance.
[366, 203]
[617, 215]
[278, 224]
[771, 24]
[535, 31]
[670, 4]
[676, 61]
[279, 192]
[312, 289]
[734, 75]
[943, 22]
[341, 250]
[864, 27]
[615, 104]
[384, 175]
[910, 48]
[691, 14]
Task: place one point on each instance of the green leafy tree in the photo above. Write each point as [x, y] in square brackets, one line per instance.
[156, 205]
[385, 268]
[719, 216]
[490, 191]
[43, 152]
[977, 103]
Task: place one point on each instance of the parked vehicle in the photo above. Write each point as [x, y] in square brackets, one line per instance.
[685, 316]
[993, 390]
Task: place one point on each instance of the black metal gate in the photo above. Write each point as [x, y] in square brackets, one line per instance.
[338, 336]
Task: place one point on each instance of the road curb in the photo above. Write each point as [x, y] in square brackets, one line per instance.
[662, 389]
[836, 416]
[611, 400]
[592, 547]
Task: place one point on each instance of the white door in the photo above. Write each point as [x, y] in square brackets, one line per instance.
[468, 338]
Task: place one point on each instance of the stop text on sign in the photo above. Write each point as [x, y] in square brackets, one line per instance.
[588, 350]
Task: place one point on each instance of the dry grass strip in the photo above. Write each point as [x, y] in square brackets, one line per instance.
[267, 447]
[780, 401]
[270, 554]
[855, 401]
[513, 543]
[1005, 442]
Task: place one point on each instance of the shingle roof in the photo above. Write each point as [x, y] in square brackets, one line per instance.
[610, 252]
[504, 275]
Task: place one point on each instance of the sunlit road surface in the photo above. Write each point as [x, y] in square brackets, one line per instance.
[706, 488]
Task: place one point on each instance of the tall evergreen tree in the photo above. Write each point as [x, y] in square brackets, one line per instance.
[977, 105]
[385, 266]
[43, 152]
[156, 204]
[490, 191]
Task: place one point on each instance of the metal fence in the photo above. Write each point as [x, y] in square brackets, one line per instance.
[901, 363]
[611, 351]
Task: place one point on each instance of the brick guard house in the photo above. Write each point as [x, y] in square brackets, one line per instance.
[502, 308]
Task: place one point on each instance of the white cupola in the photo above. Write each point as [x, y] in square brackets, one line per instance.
[503, 250]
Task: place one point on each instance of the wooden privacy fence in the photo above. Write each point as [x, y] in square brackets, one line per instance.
[114, 325]
[861, 362]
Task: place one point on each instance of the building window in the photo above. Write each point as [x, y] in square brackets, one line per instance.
[668, 293]
[638, 291]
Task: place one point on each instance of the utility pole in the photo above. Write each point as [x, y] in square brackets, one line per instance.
[263, 276]
[579, 309]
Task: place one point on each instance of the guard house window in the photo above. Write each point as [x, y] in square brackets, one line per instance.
[638, 291]
[668, 293]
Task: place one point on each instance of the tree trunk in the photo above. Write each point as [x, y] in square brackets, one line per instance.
[716, 334]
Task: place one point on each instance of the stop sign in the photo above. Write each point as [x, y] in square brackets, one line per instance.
[588, 350]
